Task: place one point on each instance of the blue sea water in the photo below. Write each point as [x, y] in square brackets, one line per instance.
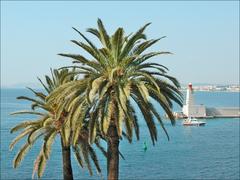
[210, 152]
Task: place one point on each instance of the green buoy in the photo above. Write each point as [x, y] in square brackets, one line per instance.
[145, 146]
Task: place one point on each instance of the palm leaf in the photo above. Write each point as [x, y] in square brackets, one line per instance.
[131, 42]
[41, 165]
[27, 112]
[24, 125]
[103, 34]
[20, 136]
[48, 140]
[20, 155]
[38, 94]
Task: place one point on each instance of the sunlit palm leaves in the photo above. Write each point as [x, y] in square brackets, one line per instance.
[118, 74]
[52, 119]
[117, 77]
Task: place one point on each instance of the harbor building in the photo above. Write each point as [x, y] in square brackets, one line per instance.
[190, 109]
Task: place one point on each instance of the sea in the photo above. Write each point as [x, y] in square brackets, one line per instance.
[209, 152]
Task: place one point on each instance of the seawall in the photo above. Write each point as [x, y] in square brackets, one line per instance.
[223, 112]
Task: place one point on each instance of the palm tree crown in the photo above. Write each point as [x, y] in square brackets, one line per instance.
[52, 119]
[118, 73]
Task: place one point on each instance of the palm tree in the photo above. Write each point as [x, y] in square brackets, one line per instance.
[117, 76]
[49, 124]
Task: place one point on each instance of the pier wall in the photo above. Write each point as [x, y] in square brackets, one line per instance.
[194, 110]
[208, 112]
[223, 112]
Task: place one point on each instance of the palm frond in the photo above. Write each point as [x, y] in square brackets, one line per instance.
[41, 165]
[48, 140]
[41, 95]
[147, 116]
[28, 112]
[146, 44]
[103, 34]
[20, 136]
[132, 40]
[24, 125]
[94, 32]
[117, 42]
[20, 155]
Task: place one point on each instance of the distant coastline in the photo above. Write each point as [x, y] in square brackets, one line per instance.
[230, 91]
[215, 88]
[202, 88]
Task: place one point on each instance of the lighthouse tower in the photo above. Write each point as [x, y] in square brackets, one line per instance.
[190, 109]
[189, 96]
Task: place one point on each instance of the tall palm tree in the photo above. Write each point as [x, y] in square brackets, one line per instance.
[52, 120]
[117, 76]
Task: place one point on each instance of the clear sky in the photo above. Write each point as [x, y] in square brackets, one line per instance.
[204, 36]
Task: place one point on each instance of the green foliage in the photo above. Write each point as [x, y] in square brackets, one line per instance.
[119, 73]
[56, 117]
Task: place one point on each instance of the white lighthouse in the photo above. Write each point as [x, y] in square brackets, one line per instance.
[189, 96]
[190, 109]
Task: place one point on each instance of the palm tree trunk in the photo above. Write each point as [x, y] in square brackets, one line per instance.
[113, 153]
[66, 159]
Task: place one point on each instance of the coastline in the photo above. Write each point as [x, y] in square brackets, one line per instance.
[228, 91]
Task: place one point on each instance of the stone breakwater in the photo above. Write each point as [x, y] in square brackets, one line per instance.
[227, 112]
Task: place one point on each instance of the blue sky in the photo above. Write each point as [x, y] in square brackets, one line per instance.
[204, 36]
